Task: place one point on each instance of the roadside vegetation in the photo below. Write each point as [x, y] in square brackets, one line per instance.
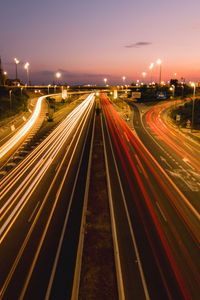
[185, 113]
[12, 102]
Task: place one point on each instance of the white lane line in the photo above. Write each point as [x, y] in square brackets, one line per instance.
[162, 213]
[142, 275]
[31, 216]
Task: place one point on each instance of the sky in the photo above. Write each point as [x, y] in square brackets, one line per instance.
[88, 40]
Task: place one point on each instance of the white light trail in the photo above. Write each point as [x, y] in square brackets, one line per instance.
[24, 130]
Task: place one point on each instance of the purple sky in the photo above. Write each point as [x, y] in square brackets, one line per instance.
[88, 40]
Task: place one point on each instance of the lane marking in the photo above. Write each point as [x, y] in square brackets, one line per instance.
[141, 166]
[162, 213]
[31, 216]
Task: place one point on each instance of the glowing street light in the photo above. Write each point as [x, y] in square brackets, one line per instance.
[172, 88]
[48, 87]
[144, 75]
[26, 66]
[4, 77]
[123, 78]
[105, 80]
[159, 62]
[58, 76]
[16, 63]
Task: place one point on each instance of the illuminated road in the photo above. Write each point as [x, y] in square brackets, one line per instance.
[158, 230]
[15, 140]
[178, 155]
[41, 206]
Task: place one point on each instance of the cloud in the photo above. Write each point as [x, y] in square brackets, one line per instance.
[138, 44]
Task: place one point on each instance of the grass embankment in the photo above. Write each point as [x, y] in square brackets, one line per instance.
[12, 101]
[185, 112]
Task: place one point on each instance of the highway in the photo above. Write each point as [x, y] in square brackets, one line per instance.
[175, 152]
[158, 230]
[8, 146]
[41, 209]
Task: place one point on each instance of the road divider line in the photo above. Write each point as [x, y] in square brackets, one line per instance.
[162, 213]
[77, 272]
[120, 283]
[141, 166]
[141, 272]
[31, 216]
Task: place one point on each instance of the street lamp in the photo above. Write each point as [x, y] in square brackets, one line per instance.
[193, 102]
[159, 62]
[26, 66]
[48, 87]
[4, 77]
[16, 63]
[144, 74]
[172, 88]
[58, 75]
[123, 78]
[105, 80]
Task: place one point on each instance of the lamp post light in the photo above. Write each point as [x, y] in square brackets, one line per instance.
[4, 77]
[123, 78]
[55, 88]
[26, 66]
[193, 103]
[105, 80]
[144, 75]
[159, 62]
[48, 87]
[58, 76]
[16, 64]
[173, 90]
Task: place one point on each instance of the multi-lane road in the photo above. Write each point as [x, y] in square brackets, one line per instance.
[41, 210]
[175, 152]
[158, 230]
[153, 203]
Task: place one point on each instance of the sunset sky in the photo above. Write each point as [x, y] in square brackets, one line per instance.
[87, 40]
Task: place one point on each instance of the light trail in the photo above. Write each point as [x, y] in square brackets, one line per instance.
[176, 141]
[126, 144]
[23, 131]
[30, 172]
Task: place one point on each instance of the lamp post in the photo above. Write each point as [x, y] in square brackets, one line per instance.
[193, 102]
[26, 66]
[58, 76]
[123, 78]
[105, 80]
[48, 87]
[4, 77]
[16, 64]
[159, 62]
[144, 75]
